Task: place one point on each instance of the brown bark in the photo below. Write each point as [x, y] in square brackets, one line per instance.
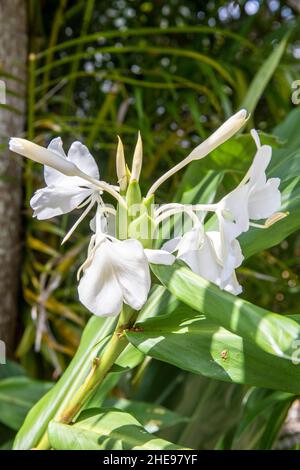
[13, 40]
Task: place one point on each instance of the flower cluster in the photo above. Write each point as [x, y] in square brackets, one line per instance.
[116, 270]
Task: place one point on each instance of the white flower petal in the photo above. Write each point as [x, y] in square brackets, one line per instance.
[81, 157]
[52, 176]
[52, 201]
[206, 258]
[265, 201]
[236, 203]
[99, 290]
[108, 224]
[203, 262]
[191, 240]
[56, 145]
[228, 280]
[233, 258]
[197, 252]
[78, 155]
[171, 245]
[132, 271]
[260, 162]
[233, 286]
[119, 272]
[159, 257]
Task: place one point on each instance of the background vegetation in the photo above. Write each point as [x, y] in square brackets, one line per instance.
[175, 70]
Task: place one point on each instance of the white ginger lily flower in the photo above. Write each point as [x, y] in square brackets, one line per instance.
[202, 252]
[117, 272]
[255, 198]
[63, 193]
[70, 179]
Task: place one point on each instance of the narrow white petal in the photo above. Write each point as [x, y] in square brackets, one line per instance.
[261, 161]
[255, 136]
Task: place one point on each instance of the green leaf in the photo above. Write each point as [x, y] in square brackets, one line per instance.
[7, 445]
[288, 130]
[194, 343]
[270, 332]
[193, 188]
[204, 400]
[264, 412]
[111, 430]
[153, 417]
[17, 396]
[11, 369]
[263, 77]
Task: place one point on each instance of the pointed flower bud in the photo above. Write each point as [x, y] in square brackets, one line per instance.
[223, 133]
[42, 155]
[137, 159]
[121, 166]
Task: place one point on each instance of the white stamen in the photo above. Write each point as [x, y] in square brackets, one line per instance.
[275, 218]
[80, 219]
[195, 207]
[171, 212]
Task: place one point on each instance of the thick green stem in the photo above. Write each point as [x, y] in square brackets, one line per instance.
[100, 368]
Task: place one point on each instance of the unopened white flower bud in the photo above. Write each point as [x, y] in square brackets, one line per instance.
[223, 133]
[42, 155]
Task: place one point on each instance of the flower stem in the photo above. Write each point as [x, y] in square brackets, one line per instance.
[100, 368]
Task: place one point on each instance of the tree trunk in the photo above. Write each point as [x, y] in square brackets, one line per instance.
[13, 54]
